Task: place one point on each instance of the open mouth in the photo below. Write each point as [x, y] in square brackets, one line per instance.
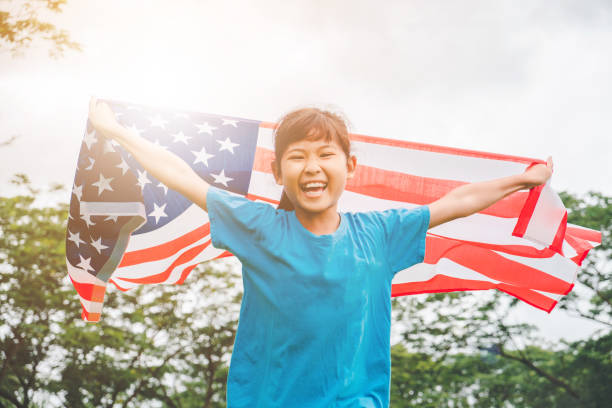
[313, 189]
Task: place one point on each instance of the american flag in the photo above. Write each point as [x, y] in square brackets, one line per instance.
[127, 228]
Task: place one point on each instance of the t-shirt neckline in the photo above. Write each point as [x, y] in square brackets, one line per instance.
[339, 232]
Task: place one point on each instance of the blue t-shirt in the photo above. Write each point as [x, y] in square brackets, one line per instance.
[315, 319]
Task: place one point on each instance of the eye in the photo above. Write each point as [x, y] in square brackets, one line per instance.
[327, 154]
[295, 157]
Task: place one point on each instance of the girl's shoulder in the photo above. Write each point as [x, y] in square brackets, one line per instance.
[225, 204]
[390, 219]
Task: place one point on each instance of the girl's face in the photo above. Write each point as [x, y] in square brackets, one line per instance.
[314, 174]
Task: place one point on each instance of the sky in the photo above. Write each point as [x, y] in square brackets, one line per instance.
[527, 78]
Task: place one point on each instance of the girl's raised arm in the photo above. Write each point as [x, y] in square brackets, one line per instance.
[471, 198]
[162, 164]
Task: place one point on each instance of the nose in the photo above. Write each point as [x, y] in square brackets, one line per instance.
[312, 165]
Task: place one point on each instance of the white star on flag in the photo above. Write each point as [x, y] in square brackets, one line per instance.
[143, 180]
[123, 166]
[227, 145]
[230, 122]
[85, 264]
[103, 184]
[180, 137]
[156, 143]
[91, 164]
[98, 245]
[221, 178]
[90, 138]
[162, 185]
[205, 128]
[133, 128]
[75, 238]
[87, 219]
[108, 147]
[158, 121]
[202, 156]
[112, 218]
[78, 191]
[158, 212]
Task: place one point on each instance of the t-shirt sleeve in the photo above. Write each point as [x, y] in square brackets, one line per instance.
[405, 232]
[236, 223]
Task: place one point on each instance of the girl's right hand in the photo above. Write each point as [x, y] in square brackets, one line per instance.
[103, 119]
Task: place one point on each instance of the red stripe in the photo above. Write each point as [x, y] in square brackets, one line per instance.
[492, 265]
[225, 254]
[519, 250]
[581, 247]
[527, 211]
[529, 296]
[163, 276]
[92, 317]
[430, 148]
[89, 291]
[185, 273]
[443, 283]
[588, 234]
[390, 185]
[557, 244]
[439, 283]
[166, 249]
[255, 197]
[397, 186]
[263, 160]
[117, 285]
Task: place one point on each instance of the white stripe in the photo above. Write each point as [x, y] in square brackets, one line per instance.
[421, 163]
[547, 216]
[429, 164]
[554, 296]
[476, 227]
[91, 307]
[108, 208]
[593, 243]
[123, 284]
[207, 254]
[154, 267]
[193, 217]
[263, 185]
[144, 269]
[81, 276]
[423, 272]
[557, 266]
[265, 138]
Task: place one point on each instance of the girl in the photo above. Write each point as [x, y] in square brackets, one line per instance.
[315, 319]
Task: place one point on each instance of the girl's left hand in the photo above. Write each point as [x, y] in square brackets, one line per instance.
[538, 174]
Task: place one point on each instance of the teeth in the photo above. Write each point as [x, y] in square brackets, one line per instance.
[314, 185]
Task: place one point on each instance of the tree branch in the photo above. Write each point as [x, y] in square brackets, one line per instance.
[10, 397]
[539, 371]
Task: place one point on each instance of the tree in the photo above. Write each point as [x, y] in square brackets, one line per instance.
[445, 334]
[593, 211]
[21, 24]
[155, 343]
[33, 297]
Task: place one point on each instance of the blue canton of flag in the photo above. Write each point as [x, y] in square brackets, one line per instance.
[114, 198]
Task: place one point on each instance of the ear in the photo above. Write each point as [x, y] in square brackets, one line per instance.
[276, 173]
[351, 164]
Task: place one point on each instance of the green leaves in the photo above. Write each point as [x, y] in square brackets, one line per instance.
[171, 344]
[461, 349]
[20, 25]
[154, 343]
